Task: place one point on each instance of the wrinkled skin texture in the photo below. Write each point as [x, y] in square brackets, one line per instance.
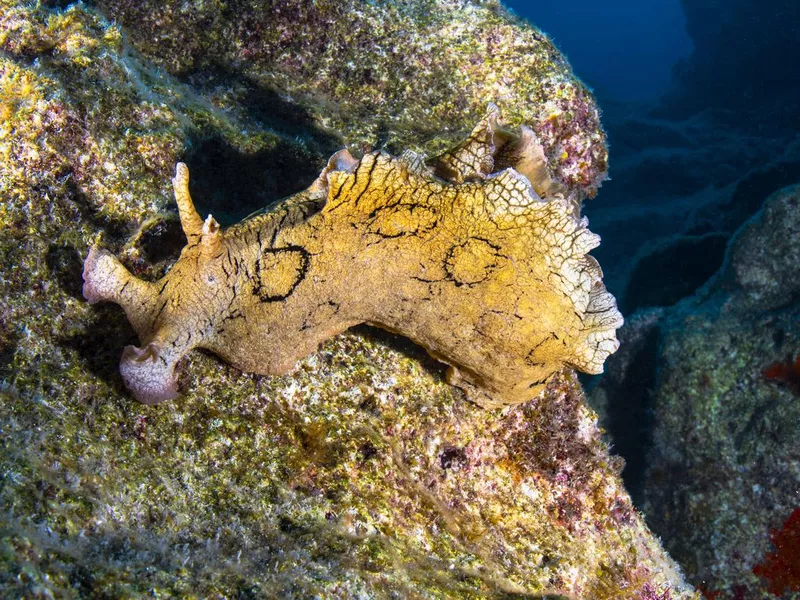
[460, 254]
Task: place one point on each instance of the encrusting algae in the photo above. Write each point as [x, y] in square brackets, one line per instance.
[474, 266]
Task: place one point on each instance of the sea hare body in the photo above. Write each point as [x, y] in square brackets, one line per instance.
[461, 253]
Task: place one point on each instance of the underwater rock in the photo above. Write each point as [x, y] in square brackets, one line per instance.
[361, 474]
[722, 468]
[721, 418]
[765, 260]
[401, 75]
[679, 257]
[691, 167]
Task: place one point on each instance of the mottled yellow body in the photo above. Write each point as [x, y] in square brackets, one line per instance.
[471, 263]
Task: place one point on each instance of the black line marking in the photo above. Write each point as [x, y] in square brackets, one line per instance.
[367, 184]
[160, 310]
[539, 382]
[305, 258]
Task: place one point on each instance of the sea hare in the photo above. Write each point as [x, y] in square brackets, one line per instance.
[477, 255]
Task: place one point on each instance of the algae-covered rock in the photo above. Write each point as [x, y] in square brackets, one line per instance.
[413, 74]
[765, 259]
[723, 472]
[360, 475]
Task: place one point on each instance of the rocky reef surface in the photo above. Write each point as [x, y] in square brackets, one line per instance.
[409, 75]
[719, 373]
[362, 474]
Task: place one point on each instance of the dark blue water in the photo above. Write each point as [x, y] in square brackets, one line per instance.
[624, 49]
